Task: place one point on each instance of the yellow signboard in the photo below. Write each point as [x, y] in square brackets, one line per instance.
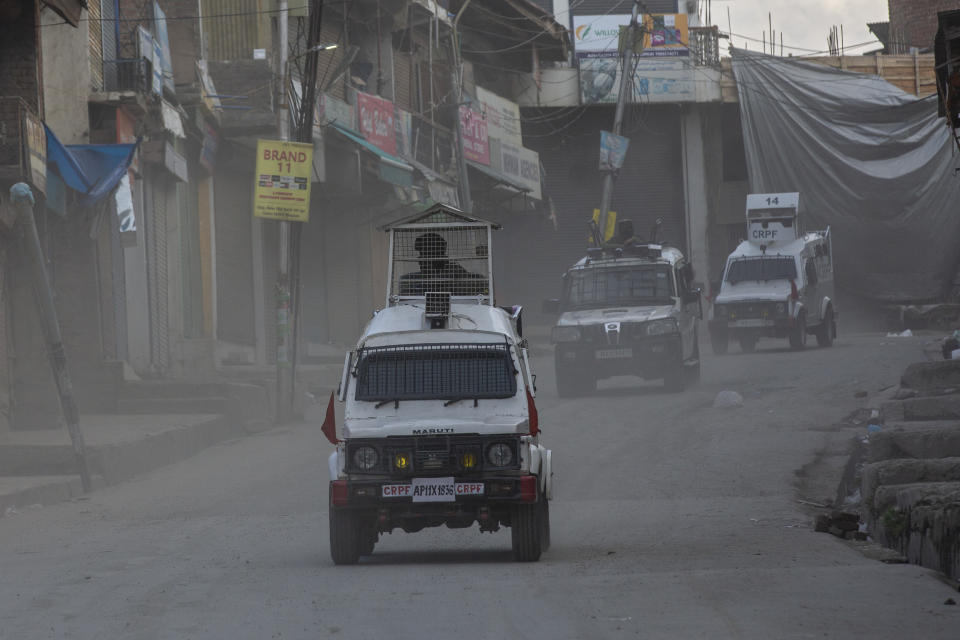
[611, 225]
[282, 190]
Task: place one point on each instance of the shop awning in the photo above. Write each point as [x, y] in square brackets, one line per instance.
[498, 177]
[392, 169]
[92, 170]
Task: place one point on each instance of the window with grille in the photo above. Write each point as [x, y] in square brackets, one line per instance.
[435, 371]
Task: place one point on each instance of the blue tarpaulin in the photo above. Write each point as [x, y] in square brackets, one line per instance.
[92, 170]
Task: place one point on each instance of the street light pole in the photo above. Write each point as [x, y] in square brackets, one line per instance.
[626, 79]
[284, 370]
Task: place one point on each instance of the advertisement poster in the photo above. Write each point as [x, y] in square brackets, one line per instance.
[375, 119]
[613, 150]
[476, 144]
[662, 74]
[282, 190]
[502, 116]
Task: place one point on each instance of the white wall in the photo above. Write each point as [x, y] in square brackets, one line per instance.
[65, 54]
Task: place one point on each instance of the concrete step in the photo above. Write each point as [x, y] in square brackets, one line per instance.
[118, 459]
[20, 493]
[945, 407]
[187, 405]
[932, 376]
[906, 471]
[155, 389]
[916, 440]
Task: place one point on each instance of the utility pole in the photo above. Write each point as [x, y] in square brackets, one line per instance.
[284, 370]
[23, 202]
[466, 202]
[626, 81]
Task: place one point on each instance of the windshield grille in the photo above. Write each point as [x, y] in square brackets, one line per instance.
[607, 287]
[435, 371]
[761, 269]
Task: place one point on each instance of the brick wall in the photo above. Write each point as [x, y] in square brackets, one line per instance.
[913, 23]
[19, 71]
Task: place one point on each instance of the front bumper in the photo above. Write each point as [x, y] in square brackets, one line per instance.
[649, 357]
[419, 494]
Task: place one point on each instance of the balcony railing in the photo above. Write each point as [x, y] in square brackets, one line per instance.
[134, 74]
[705, 46]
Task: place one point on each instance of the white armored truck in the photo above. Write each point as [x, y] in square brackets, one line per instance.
[778, 283]
[440, 425]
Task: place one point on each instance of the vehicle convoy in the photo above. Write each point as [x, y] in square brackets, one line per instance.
[627, 308]
[440, 425]
[778, 283]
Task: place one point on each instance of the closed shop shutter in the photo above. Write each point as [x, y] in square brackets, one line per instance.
[108, 38]
[271, 271]
[157, 277]
[403, 80]
[650, 186]
[95, 35]
[330, 62]
[234, 263]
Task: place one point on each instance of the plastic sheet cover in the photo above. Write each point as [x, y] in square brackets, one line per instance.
[873, 162]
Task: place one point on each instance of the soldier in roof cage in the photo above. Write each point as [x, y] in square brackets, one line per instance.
[438, 272]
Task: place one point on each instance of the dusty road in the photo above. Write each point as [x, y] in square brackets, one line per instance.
[672, 520]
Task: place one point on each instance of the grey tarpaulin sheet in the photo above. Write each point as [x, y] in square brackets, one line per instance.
[872, 162]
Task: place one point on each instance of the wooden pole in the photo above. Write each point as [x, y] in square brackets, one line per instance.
[23, 202]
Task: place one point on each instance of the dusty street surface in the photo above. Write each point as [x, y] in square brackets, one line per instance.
[672, 520]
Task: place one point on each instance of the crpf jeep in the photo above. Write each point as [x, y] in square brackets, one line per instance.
[440, 425]
[626, 309]
[778, 283]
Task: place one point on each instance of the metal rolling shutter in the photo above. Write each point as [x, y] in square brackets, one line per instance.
[95, 35]
[234, 263]
[157, 277]
[649, 186]
[108, 37]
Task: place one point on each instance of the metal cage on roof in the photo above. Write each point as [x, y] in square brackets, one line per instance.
[440, 250]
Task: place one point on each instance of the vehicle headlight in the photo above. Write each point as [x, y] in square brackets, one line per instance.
[500, 454]
[661, 327]
[565, 334]
[365, 458]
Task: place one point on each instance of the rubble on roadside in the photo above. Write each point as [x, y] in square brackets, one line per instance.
[906, 465]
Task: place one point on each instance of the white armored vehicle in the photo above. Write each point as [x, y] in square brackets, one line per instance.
[778, 283]
[627, 308]
[440, 425]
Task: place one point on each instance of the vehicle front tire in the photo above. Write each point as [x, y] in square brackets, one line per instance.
[545, 524]
[345, 536]
[720, 341]
[826, 330]
[526, 532]
[798, 336]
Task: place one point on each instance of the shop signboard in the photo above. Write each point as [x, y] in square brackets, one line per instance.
[473, 127]
[282, 189]
[375, 119]
[502, 116]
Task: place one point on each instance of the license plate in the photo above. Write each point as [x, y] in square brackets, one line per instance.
[432, 490]
[752, 322]
[612, 354]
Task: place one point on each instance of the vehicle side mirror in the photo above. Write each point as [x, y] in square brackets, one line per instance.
[551, 306]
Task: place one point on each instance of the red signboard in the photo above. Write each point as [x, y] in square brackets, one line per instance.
[473, 127]
[375, 118]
